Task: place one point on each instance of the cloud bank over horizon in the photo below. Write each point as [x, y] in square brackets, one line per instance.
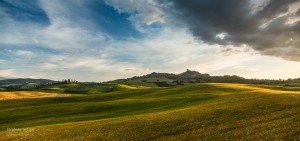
[99, 40]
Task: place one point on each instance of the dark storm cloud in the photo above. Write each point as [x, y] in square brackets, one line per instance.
[264, 28]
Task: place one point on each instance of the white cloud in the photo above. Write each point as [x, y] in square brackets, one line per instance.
[142, 11]
[13, 33]
[24, 53]
[2, 61]
[36, 41]
[258, 5]
[294, 7]
[64, 32]
[48, 66]
[8, 73]
[221, 36]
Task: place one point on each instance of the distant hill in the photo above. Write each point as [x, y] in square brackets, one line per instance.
[2, 78]
[189, 77]
[23, 82]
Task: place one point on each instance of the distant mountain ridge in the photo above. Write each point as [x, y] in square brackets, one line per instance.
[189, 76]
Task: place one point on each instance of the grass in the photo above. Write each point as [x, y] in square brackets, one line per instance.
[128, 87]
[284, 88]
[210, 111]
[81, 88]
[149, 82]
[77, 88]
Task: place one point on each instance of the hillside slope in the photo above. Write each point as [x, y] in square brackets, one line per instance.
[208, 111]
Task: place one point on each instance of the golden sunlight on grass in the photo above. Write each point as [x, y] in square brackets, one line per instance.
[29, 94]
[130, 87]
[253, 88]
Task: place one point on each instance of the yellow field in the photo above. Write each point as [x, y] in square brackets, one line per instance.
[29, 94]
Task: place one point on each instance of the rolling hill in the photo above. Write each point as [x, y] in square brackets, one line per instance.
[205, 111]
[24, 83]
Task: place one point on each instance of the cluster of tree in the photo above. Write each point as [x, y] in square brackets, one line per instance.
[69, 81]
[157, 75]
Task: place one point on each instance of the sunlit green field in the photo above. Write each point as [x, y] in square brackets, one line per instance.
[209, 111]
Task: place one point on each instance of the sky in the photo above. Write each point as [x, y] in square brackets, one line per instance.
[101, 40]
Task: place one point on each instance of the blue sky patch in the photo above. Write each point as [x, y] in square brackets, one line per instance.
[25, 11]
[111, 21]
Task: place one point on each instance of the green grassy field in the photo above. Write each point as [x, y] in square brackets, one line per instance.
[150, 82]
[81, 88]
[208, 111]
